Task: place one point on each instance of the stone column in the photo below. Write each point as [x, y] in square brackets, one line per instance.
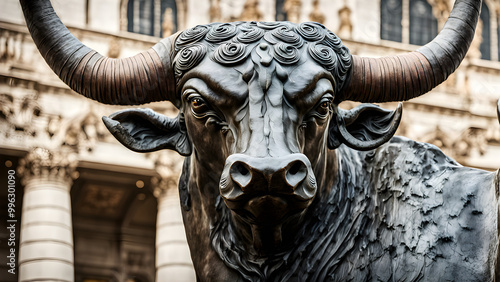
[173, 258]
[46, 242]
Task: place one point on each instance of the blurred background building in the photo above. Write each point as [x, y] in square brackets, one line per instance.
[89, 208]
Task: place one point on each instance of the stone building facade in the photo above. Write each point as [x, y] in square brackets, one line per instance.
[87, 209]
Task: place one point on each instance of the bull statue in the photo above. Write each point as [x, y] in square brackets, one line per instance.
[279, 183]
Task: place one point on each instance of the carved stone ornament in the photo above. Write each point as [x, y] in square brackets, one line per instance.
[99, 200]
[215, 11]
[441, 10]
[293, 10]
[79, 134]
[115, 48]
[317, 15]
[251, 11]
[345, 26]
[439, 138]
[42, 163]
[472, 140]
[168, 166]
[279, 183]
[168, 26]
[493, 133]
[84, 132]
[19, 112]
[11, 46]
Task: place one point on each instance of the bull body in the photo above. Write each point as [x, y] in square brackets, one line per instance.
[280, 183]
[404, 211]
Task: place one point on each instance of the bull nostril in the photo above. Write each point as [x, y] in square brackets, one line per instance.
[296, 173]
[295, 168]
[241, 169]
[240, 174]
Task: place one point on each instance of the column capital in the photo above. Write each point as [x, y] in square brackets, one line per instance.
[168, 166]
[162, 185]
[43, 163]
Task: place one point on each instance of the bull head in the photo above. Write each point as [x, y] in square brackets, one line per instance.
[258, 106]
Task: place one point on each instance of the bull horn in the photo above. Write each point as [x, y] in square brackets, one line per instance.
[403, 77]
[143, 78]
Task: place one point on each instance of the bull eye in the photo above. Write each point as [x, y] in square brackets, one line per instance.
[324, 107]
[199, 106]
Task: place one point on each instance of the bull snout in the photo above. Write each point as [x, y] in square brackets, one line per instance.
[289, 177]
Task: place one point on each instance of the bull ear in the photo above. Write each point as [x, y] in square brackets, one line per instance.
[143, 130]
[363, 128]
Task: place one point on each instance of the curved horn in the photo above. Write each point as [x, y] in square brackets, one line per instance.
[144, 78]
[403, 77]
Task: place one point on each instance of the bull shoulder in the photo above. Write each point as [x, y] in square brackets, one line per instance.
[434, 217]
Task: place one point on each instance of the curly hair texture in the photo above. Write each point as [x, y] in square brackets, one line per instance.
[230, 44]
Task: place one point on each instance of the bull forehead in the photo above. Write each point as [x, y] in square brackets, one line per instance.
[266, 45]
[222, 85]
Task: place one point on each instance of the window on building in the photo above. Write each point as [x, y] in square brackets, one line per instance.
[485, 47]
[152, 17]
[498, 37]
[280, 12]
[391, 17]
[407, 21]
[423, 24]
[414, 22]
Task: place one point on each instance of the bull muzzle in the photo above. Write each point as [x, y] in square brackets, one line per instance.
[268, 194]
[266, 190]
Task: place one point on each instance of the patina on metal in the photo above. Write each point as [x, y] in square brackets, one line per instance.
[279, 183]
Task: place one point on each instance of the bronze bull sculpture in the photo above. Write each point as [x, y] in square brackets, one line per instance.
[279, 183]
